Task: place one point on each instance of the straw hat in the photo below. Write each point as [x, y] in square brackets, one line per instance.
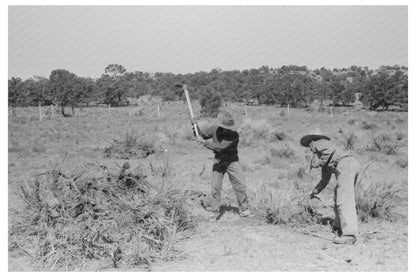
[226, 121]
[315, 135]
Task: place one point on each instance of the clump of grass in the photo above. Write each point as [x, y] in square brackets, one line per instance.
[276, 153]
[349, 141]
[277, 135]
[284, 151]
[132, 146]
[351, 121]
[377, 200]
[282, 204]
[117, 218]
[383, 143]
[402, 163]
[253, 131]
[368, 126]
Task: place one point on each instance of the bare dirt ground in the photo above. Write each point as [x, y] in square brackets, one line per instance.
[232, 243]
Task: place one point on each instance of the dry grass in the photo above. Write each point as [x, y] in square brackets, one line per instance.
[253, 131]
[378, 200]
[119, 219]
[282, 203]
[133, 146]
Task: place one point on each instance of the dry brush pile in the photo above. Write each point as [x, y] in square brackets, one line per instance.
[114, 218]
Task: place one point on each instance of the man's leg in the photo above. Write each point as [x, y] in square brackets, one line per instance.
[237, 180]
[336, 227]
[216, 186]
[346, 176]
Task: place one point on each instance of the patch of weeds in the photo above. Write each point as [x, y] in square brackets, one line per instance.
[351, 121]
[383, 143]
[253, 131]
[402, 163]
[377, 200]
[278, 136]
[284, 151]
[349, 141]
[132, 147]
[284, 205]
[400, 135]
[368, 126]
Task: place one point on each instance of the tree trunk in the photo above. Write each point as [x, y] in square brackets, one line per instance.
[63, 110]
[73, 110]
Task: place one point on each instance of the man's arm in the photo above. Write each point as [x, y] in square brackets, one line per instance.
[326, 177]
[223, 145]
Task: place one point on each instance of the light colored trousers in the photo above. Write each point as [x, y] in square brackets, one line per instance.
[235, 173]
[345, 212]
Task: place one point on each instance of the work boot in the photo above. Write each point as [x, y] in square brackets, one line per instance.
[245, 213]
[345, 240]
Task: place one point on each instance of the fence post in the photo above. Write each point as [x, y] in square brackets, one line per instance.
[40, 112]
[52, 110]
[245, 109]
[158, 109]
[331, 110]
[287, 110]
[109, 106]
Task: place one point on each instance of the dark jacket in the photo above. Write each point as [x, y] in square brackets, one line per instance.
[224, 143]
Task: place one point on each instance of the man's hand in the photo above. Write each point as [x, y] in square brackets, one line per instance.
[200, 140]
[314, 162]
[313, 194]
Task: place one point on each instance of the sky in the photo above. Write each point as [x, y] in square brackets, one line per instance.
[188, 39]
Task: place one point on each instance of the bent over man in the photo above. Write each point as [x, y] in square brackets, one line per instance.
[345, 168]
[224, 144]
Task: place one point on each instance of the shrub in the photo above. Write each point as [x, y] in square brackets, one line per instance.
[278, 136]
[349, 141]
[132, 147]
[284, 151]
[253, 131]
[118, 218]
[210, 104]
[280, 204]
[383, 143]
[368, 126]
[377, 200]
[402, 163]
[351, 121]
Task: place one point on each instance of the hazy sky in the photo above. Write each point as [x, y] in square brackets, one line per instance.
[183, 39]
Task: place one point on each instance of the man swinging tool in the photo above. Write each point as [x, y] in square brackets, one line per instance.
[345, 168]
[224, 143]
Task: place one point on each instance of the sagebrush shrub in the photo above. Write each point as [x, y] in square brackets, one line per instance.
[383, 143]
[253, 131]
[133, 146]
[377, 200]
[283, 204]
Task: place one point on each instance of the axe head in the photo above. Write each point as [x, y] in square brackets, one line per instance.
[180, 86]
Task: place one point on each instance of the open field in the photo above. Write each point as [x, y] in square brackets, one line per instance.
[275, 170]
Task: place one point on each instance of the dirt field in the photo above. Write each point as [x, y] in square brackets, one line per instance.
[234, 243]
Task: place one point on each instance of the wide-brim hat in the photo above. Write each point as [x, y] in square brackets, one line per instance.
[306, 140]
[226, 121]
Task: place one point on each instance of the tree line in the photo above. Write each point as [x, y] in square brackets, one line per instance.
[295, 85]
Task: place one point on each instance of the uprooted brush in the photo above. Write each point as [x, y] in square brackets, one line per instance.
[119, 219]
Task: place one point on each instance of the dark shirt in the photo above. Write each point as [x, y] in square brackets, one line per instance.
[224, 143]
